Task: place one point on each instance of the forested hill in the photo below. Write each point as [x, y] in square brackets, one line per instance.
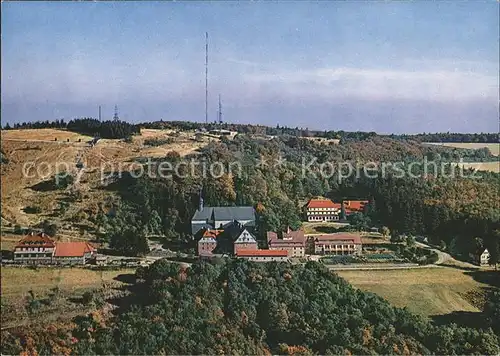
[243, 308]
[459, 213]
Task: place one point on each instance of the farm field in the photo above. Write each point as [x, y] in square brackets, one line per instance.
[16, 281]
[428, 291]
[493, 147]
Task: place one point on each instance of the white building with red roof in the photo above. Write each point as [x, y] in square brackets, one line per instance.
[319, 210]
[35, 248]
[39, 248]
[76, 252]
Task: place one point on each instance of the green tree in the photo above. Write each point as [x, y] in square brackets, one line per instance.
[50, 228]
[129, 241]
[360, 221]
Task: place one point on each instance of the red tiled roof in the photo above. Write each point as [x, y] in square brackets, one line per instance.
[322, 203]
[73, 249]
[212, 233]
[355, 205]
[356, 239]
[39, 240]
[262, 253]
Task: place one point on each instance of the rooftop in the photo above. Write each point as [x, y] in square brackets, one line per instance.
[73, 249]
[212, 233]
[36, 240]
[262, 253]
[225, 213]
[288, 236]
[322, 203]
[355, 205]
[353, 238]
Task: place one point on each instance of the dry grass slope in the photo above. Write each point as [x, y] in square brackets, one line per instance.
[16, 282]
[429, 291]
[38, 145]
[493, 147]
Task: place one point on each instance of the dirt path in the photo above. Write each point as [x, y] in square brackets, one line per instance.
[444, 257]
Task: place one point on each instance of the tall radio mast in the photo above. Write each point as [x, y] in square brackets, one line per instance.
[115, 117]
[206, 77]
[220, 111]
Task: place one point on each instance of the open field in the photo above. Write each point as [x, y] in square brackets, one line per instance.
[17, 281]
[43, 135]
[483, 166]
[426, 291]
[18, 190]
[493, 147]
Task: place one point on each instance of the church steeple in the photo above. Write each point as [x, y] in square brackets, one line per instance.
[200, 204]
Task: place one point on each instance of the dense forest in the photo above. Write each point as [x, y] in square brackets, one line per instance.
[239, 307]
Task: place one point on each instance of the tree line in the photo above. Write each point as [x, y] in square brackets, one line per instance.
[87, 126]
[273, 131]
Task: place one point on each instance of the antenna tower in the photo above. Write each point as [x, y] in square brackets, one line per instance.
[99, 112]
[115, 117]
[220, 112]
[206, 77]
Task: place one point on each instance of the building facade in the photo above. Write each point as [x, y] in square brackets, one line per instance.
[41, 249]
[245, 241]
[79, 252]
[318, 210]
[35, 248]
[336, 244]
[208, 242]
[294, 242]
[263, 255]
[482, 257]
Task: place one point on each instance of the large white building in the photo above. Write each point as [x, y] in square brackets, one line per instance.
[318, 210]
[40, 248]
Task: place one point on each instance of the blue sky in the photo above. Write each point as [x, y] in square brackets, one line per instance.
[383, 66]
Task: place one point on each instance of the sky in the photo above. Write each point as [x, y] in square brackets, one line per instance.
[384, 66]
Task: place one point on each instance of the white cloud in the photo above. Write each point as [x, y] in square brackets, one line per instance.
[435, 85]
[163, 76]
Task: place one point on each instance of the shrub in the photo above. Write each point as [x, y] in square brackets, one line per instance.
[158, 141]
[32, 210]
[49, 228]
[18, 230]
